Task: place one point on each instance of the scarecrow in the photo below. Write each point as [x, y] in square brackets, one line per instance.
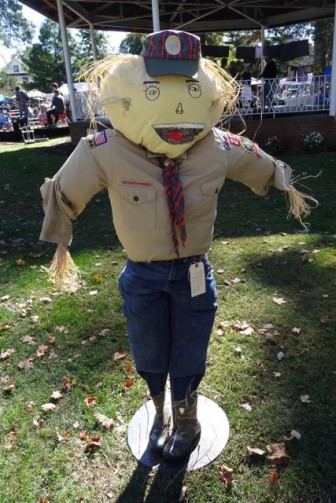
[163, 164]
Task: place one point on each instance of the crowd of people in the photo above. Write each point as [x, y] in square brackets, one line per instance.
[17, 112]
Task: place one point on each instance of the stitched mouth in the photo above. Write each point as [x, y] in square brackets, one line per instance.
[178, 134]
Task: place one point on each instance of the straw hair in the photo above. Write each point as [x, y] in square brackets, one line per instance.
[63, 272]
[299, 205]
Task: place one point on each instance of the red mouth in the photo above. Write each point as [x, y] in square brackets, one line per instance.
[176, 136]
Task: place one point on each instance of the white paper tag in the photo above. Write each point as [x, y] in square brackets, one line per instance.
[197, 279]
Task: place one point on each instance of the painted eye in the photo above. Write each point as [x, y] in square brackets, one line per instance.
[152, 93]
[194, 90]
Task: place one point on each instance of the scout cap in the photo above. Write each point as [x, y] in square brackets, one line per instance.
[171, 52]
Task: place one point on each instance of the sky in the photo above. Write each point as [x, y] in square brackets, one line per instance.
[5, 54]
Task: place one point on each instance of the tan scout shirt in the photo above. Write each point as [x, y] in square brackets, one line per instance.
[133, 178]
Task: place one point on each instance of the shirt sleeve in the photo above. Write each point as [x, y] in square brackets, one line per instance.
[255, 168]
[67, 193]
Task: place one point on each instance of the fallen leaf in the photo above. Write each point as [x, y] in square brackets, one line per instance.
[226, 474]
[105, 421]
[6, 354]
[38, 421]
[90, 401]
[93, 443]
[255, 451]
[279, 301]
[305, 399]
[34, 319]
[324, 318]
[129, 383]
[28, 339]
[56, 395]
[276, 375]
[277, 453]
[97, 278]
[20, 262]
[118, 356]
[280, 356]
[93, 292]
[294, 434]
[63, 438]
[273, 478]
[10, 386]
[45, 300]
[246, 406]
[48, 407]
[296, 330]
[25, 365]
[68, 384]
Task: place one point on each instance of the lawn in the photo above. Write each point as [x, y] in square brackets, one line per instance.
[65, 362]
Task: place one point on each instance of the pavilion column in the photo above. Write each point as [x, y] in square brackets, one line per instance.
[332, 110]
[155, 15]
[68, 70]
[93, 42]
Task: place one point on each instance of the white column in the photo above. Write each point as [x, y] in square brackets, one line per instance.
[68, 70]
[93, 42]
[332, 110]
[155, 15]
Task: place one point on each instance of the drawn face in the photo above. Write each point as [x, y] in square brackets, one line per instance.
[166, 115]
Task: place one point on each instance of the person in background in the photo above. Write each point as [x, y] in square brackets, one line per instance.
[269, 74]
[23, 102]
[57, 108]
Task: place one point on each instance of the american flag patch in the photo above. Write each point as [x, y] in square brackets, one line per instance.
[97, 139]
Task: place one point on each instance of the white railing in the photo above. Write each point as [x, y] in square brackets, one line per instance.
[264, 96]
[278, 96]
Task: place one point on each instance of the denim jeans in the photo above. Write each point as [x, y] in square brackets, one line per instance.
[168, 330]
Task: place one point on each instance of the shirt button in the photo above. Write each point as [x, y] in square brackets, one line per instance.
[136, 198]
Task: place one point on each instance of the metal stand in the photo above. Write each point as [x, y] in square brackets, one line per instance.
[214, 437]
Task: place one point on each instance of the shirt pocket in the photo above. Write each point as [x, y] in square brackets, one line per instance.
[138, 207]
[209, 195]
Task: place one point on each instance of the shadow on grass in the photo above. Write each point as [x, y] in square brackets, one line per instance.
[306, 391]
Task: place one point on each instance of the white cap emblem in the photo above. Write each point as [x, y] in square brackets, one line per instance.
[173, 45]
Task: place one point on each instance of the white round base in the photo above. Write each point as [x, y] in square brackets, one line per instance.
[214, 437]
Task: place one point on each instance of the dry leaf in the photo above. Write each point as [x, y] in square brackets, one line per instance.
[68, 384]
[48, 407]
[63, 438]
[246, 406]
[38, 421]
[45, 300]
[305, 399]
[90, 401]
[277, 453]
[93, 292]
[28, 339]
[294, 434]
[97, 278]
[9, 387]
[255, 451]
[129, 383]
[56, 395]
[105, 421]
[324, 318]
[226, 474]
[273, 478]
[6, 354]
[280, 356]
[25, 365]
[118, 356]
[20, 262]
[279, 301]
[34, 319]
[296, 330]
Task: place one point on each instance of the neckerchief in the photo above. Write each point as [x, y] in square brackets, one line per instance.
[175, 199]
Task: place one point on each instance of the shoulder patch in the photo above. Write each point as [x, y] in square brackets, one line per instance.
[233, 139]
[225, 141]
[97, 139]
[247, 144]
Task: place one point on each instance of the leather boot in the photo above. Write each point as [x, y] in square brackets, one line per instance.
[186, 432]
[159, 434]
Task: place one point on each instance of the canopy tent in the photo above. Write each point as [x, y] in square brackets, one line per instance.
[36, 94]
[197, 16]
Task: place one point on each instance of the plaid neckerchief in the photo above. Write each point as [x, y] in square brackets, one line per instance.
[175, 199]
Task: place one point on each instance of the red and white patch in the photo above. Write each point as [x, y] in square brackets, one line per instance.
[136, 183]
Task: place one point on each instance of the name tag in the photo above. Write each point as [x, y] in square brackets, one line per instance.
[197, 279]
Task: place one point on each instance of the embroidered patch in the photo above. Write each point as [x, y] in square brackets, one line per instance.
[225, 142]
[97, 139]
[136, 183]
[247, 144]
[233, 139]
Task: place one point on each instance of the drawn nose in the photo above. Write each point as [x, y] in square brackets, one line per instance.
[179, 109]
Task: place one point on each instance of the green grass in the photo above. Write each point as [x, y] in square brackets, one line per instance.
[257, 254]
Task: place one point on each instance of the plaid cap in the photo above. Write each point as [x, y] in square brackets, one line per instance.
[171, 52]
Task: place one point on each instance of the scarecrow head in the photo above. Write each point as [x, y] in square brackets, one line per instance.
[167, 98]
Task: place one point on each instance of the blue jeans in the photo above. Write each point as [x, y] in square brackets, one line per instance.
[168, 330]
